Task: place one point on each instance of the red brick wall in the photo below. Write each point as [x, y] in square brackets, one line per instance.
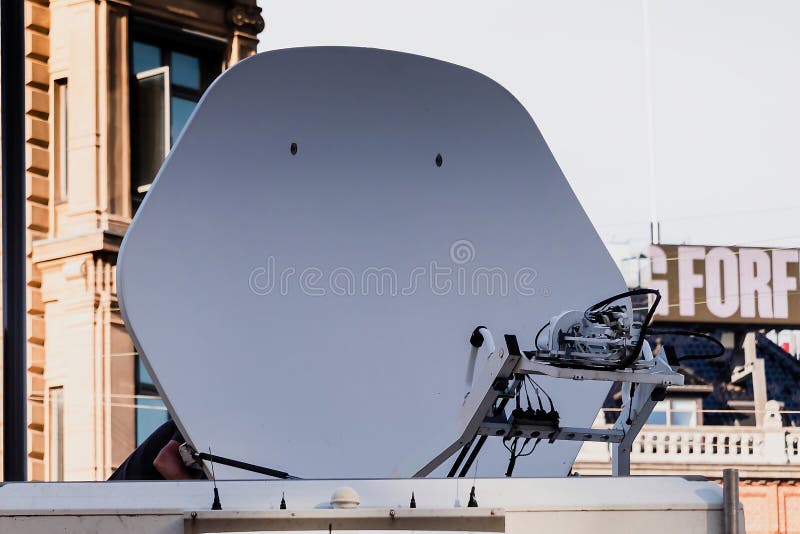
[771, 507]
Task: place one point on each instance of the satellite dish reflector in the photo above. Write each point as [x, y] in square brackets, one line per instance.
[304, 275]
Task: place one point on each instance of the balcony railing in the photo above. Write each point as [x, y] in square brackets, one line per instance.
[770, 445]
[700, 444]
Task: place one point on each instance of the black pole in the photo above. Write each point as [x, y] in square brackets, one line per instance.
[472, 456]
[459, 459]
[12, 107]
[242, 465]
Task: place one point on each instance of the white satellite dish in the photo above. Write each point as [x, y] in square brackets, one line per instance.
[304, 275]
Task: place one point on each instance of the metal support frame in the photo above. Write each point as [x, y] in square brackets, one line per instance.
[495, 378]
[564, 433]
[636, 409]
[661, 374]
[12, 103]
[488, 386]
[754, 368]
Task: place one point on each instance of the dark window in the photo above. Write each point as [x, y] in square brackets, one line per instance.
[185, 70]
[145, 57]
[170, 69]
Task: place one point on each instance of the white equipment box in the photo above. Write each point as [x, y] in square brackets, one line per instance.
[593, 504]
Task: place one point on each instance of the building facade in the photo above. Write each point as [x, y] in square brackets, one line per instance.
[740, 410]
[109, 86]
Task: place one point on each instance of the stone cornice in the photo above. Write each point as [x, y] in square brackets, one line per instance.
[46, 250]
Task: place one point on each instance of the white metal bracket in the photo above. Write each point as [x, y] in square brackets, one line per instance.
[496, 376]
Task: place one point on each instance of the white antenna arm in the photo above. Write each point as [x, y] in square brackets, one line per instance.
[481, 340]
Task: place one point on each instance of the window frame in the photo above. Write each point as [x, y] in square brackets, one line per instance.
[695, 419]
[55, 401]
[666, 406]
[150, 73]
[61, 140]
[210, 51]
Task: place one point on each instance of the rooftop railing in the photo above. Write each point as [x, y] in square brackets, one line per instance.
[771, 444]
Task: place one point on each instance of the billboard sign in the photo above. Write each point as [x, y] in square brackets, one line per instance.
[726, 284]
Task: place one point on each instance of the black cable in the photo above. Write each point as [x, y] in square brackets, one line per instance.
[535, 444]
[512, 462]
[690, 333]
[630, 293]
[536, 339]
[632, 355]
[536, 390]
[549, 398]
[528, 397]
[629, 421]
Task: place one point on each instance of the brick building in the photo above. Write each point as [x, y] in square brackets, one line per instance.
[109, 86]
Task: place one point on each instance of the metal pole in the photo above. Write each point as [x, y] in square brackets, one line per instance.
[12, 106]
[620, 460]
[730, 501]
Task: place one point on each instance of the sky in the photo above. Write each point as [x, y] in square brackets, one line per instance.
[678, 110]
